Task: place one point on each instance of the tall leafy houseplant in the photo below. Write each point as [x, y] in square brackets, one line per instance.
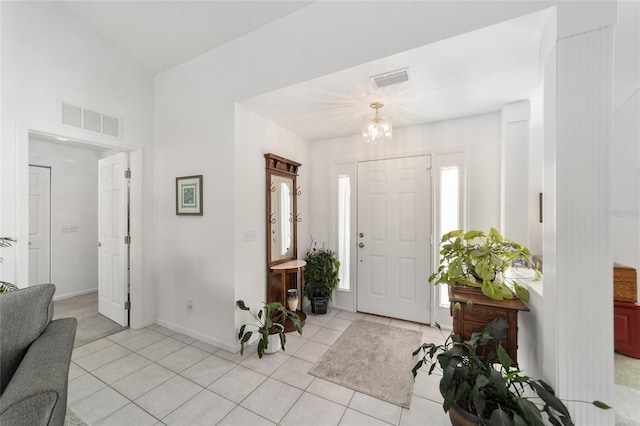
[491, 393]
[5, 286]
[320, 277]
[269, 321]
[476, 259]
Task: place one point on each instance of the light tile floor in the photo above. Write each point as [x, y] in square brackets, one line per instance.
[155, 376]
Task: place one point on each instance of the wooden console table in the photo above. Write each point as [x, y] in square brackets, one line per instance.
[469, 320]
[284, 276]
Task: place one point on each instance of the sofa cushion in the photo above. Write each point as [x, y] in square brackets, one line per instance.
[24, 314]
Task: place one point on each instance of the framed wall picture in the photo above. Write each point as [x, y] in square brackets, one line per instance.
[189, 195]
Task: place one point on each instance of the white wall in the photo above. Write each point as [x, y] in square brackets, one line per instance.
[48, 55]
[536, 164]
[479, 136]
[195, 133]
[74, 201]
[625, 149]
[256, 136]
[625, 197]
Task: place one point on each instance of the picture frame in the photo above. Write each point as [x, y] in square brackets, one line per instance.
[189, 195]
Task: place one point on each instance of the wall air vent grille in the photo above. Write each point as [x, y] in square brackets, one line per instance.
[87, 119]
[391, 77]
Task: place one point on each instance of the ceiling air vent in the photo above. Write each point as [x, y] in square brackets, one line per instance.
[87, 119]
[391, 77]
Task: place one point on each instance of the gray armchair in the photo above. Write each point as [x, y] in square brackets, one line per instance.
[35, 354]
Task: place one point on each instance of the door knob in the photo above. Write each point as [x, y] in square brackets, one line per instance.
[361, 245]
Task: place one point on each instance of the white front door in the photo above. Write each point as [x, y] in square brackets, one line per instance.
[394, 231]
[113, 258]
[39, 225]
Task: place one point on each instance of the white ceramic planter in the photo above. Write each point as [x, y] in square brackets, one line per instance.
[274, 342]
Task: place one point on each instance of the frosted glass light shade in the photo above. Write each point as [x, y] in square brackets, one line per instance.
[376, 127]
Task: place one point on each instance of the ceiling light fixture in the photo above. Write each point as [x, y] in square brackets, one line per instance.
[376, 127]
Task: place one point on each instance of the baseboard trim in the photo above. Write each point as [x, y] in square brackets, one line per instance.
[76, 293]
[199, 336]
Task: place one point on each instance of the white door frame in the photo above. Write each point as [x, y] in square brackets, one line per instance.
[22, 205]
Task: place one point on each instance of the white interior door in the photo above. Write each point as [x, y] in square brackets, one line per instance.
[394, 231]
[39, 225]
[113, 262]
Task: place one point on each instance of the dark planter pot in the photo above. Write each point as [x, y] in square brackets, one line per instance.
[460, 417]
[319, 305]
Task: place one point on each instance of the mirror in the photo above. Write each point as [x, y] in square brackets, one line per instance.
[281, 217]
[282, 214]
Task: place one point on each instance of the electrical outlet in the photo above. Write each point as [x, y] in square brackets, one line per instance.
[249, 236]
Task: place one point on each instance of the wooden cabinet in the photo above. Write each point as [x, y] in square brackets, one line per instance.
[626, 312]
[468, 320]
[626, 325]
[285, 276]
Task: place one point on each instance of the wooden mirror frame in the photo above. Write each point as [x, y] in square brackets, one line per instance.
[283, 167]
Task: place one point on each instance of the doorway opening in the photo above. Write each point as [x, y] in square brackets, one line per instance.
[74, 223]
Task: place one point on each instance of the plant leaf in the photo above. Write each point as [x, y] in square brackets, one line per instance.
[504, 358]
[550, 398]
[530, 412]
[601, 405]
[518, 421]
[240, 304]
[500, 417]
[246, 337]
[490, 291]
[521, 292]
[417, 367]
[261, 347]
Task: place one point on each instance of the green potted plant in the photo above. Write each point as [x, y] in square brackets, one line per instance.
[478, 390]
[270, 326]
[479, 260]
[6, 286]
[320, 277]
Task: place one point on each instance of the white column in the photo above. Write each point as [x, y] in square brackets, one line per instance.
[578, 288]
[514, 212]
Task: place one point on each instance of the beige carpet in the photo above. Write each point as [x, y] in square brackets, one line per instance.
[627, 371]
[374, 359]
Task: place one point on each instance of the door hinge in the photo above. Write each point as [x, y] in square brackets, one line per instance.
[127, 305]
[127, 239]
[431, 239]
[127, 174]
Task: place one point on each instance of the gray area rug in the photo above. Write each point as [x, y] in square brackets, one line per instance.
[374, 359]
[94, 327]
